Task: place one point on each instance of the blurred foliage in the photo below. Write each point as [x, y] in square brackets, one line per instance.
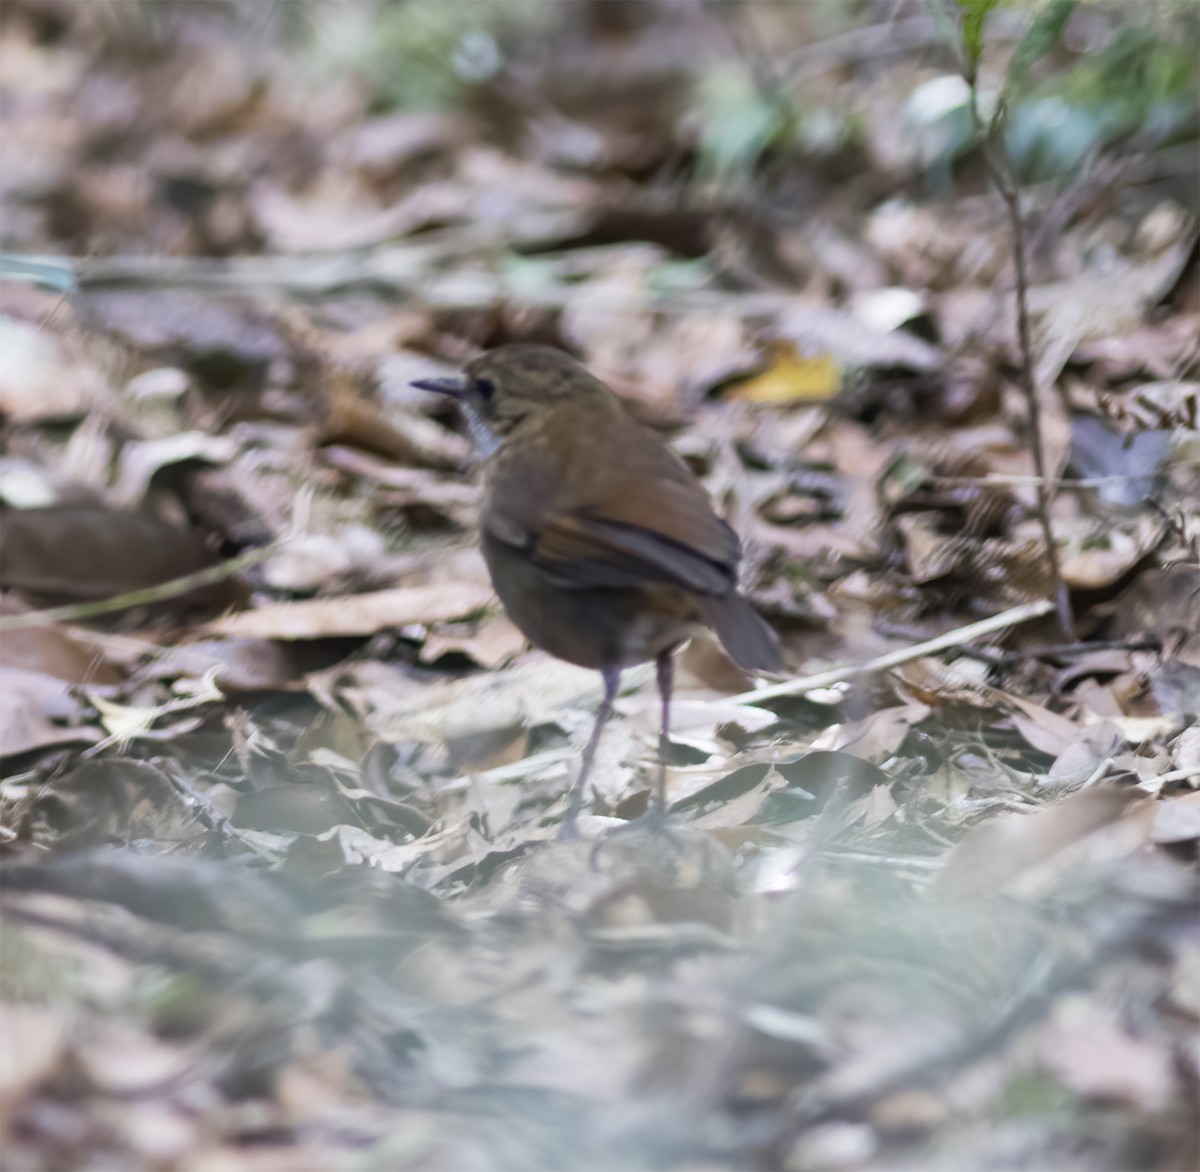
[410, 53]
[1044, 34]
[735, 123]
[1142, 84]
[974, 13]
[1037, 1094]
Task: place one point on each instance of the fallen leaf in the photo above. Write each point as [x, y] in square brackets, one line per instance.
[1177, 819]
[43, 376]
[1095, 1057]
[851, 342]
[1044, 730]
[34, 709]
[356, 614]
[308, 562]
[52, 651]
[33, 1041]
[1186, 751]
[997, 851]
[790, 378]
[491, 643]
[69, 553]
[141, 460]
[1136, 461]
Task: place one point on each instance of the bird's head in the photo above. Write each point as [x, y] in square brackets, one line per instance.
[511, 386]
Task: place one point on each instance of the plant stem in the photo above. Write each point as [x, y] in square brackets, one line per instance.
[1012, 201]
[999, 166]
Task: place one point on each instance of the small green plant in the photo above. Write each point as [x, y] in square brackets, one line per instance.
[1141, 84]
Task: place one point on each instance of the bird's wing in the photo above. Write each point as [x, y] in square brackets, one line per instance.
[578, 520]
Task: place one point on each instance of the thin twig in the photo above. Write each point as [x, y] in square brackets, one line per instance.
[956, 638]
[1012, 203]
[1000, 171]
[1187, 773]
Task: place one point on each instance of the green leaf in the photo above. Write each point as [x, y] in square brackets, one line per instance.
[974, 13]
[1044, 33]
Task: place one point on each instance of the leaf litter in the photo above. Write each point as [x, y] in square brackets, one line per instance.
[281, 885]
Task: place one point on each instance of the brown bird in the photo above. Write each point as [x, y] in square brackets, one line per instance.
[601, 543]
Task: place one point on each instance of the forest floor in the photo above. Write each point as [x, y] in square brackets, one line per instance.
[281, 882]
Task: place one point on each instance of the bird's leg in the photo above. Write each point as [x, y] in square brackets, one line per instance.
[666, 678]
[612, 679]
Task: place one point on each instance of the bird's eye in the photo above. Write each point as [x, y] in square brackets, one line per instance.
[485, 387]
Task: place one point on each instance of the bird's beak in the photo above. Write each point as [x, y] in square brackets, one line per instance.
[454, 386]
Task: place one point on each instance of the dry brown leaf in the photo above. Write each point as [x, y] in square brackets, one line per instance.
[491, 643]
[878, 736]
[851, 342]
[1092, 1055]
[67, 553]
[309, 562]
[661, 366]
[1043, 729]
[33, 1039]
[122, 1060]
[34, 709]
[356, 614]
[997, 851]
[44, 376]
[52, 651]
[1097, 304]
[1094, 555]
[140, 461]
[238, 665]
[383, 147]
[1177, 819]
[218, 336]
[537, 690]
[399, 434]
[1186, 751]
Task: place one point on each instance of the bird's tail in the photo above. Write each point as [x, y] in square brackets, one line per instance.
[743, 632]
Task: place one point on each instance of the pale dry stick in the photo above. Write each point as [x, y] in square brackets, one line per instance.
[955, 638]
[1098, 773]
[1187, 773]
[998, 480]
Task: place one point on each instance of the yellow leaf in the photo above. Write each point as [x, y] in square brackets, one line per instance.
[791, 378]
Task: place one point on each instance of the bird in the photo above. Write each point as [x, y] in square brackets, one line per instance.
[601, 543]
